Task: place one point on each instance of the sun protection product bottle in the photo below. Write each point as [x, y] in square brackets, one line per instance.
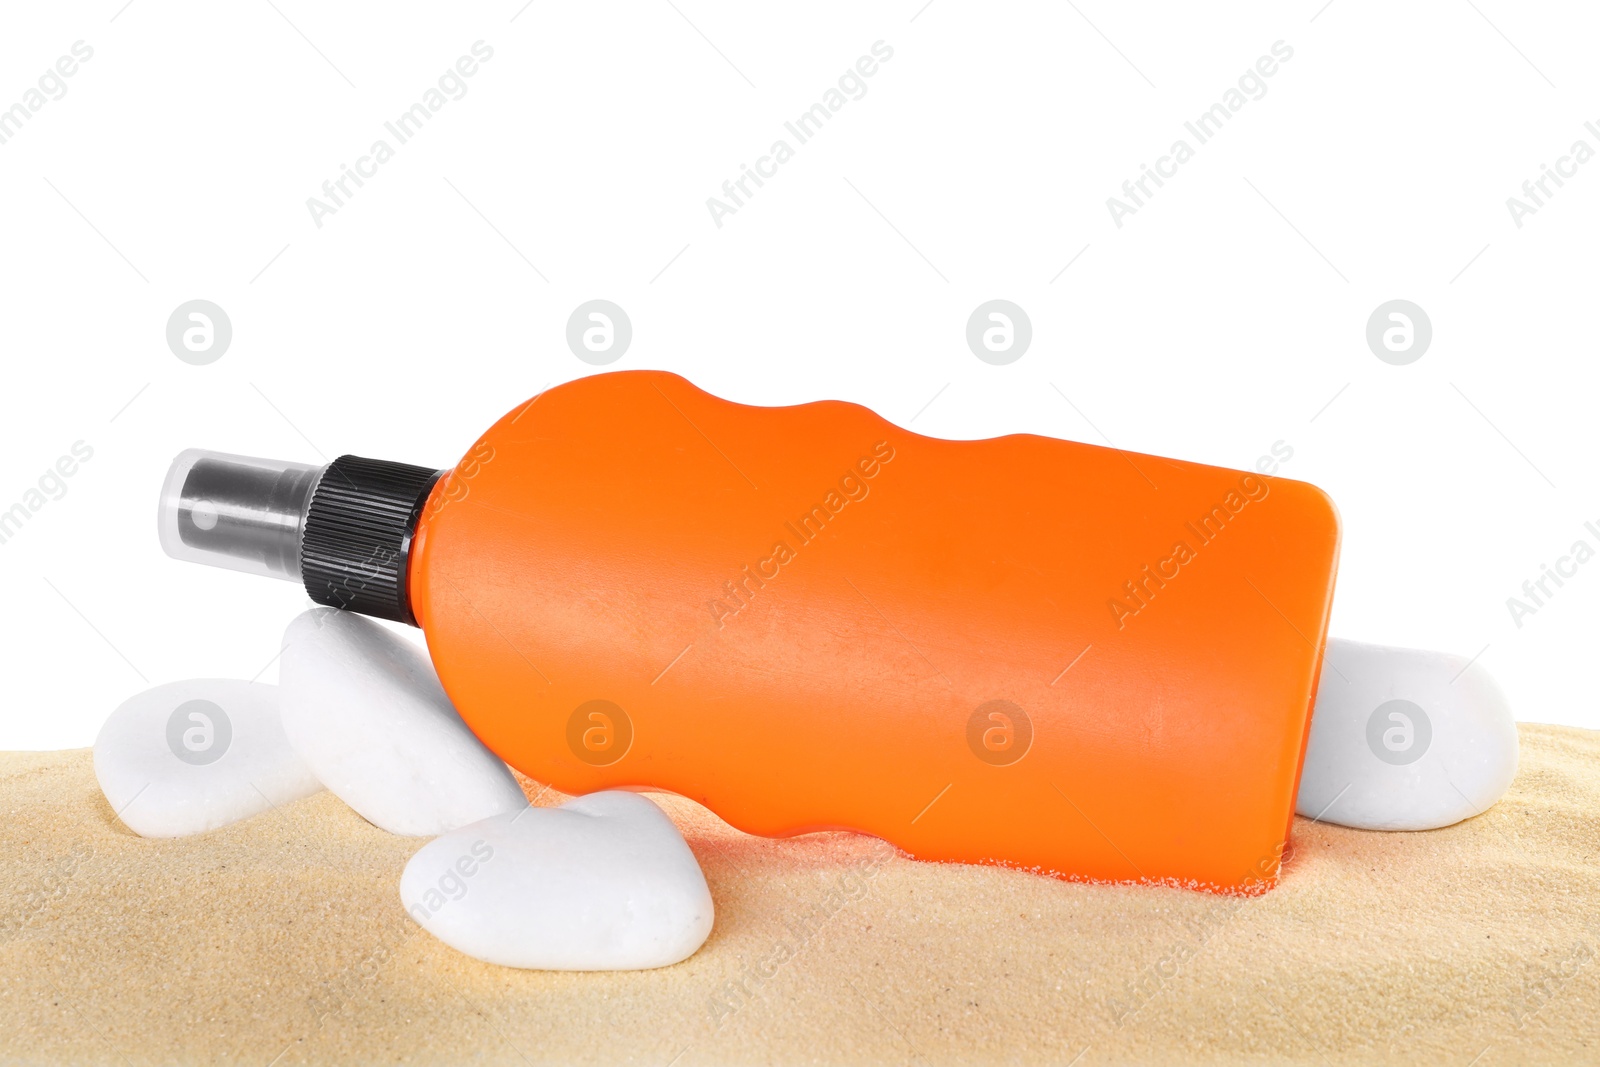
[1021, 651]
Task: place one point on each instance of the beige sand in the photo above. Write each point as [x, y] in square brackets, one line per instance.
[281, 940]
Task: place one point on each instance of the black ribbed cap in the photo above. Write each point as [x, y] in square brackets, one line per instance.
[357, 538]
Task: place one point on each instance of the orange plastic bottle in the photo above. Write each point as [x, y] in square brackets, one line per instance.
[1022, 651]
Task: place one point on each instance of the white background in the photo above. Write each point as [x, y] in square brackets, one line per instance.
[1226, 315]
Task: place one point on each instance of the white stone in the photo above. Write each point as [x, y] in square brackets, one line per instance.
[1405, 739]
[188, 757]
[366, 712]
[602, 883]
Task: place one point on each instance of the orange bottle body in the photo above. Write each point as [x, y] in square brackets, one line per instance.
[1021, 650]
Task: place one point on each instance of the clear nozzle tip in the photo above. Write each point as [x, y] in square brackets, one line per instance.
[238, 512]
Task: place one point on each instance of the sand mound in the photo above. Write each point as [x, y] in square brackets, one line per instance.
[281, 940]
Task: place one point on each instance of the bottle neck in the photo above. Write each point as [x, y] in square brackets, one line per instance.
[355, 548]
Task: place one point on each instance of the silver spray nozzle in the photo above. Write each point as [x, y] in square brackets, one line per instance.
[239, 512]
